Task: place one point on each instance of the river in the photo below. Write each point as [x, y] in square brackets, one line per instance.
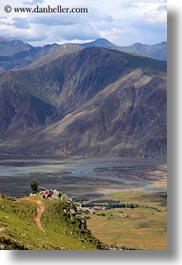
[77, 176]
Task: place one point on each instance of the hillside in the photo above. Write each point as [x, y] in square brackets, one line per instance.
[61, 228]
[92, 102]
[102, 97]
[122, 220]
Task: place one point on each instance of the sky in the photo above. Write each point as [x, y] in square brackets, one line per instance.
[123, 22]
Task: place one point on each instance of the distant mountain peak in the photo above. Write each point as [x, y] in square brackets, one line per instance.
[103, 40]
[163, 42]
[100, 42]
[11, 47]
[51, 45]
[156, 51]
[138, 44]
[20, 44]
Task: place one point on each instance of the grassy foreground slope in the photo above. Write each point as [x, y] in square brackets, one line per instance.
[63, 230]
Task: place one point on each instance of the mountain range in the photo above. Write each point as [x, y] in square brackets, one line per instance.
[83, 100]
[16, 54]
[155, 51]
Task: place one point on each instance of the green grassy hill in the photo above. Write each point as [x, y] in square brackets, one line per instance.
[63, 230]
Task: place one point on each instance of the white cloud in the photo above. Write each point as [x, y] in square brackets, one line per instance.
[21, 23]
[121, 21]
[33, 2]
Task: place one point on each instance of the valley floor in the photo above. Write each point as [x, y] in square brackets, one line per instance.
[124, 204]
[143, 227]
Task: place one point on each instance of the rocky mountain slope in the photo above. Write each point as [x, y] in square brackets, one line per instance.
[92, 102]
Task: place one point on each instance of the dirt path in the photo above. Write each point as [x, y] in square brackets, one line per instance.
[40, 210]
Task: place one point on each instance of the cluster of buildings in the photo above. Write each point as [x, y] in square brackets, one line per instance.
[51, 194]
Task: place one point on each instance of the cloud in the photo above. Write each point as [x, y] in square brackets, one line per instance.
[33, 2]
[77, 32]
[26, 35]
[55, 20]
[121, 21]
[162, 7]
[21, 23]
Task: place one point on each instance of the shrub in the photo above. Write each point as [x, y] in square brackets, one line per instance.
[34, 185]
[101, 214]
[86, 217]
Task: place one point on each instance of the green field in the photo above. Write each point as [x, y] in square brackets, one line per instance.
[144, 227]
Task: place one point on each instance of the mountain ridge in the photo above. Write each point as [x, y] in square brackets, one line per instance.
[155, 51]
[12, 47]
[16, 55]
[130, 121]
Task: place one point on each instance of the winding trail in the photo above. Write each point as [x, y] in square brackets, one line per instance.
[40, 210]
